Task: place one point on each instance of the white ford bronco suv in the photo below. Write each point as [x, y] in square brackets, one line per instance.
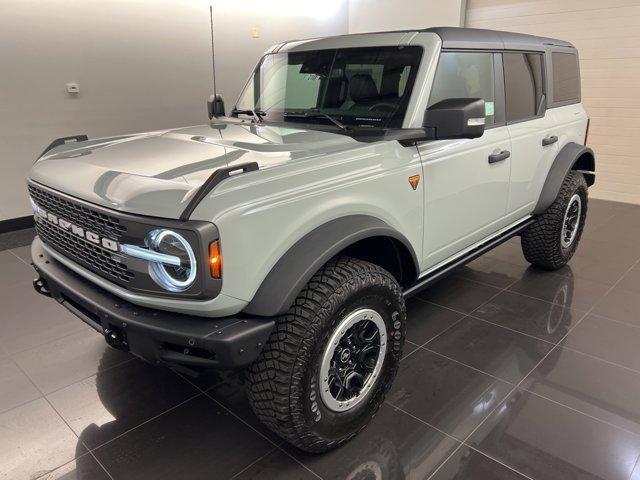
[284, 237]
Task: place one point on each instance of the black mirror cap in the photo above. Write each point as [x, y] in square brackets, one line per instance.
[215, 106]
[455, 118]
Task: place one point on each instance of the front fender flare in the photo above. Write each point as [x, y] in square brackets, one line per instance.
[562, 164]
[296, 267]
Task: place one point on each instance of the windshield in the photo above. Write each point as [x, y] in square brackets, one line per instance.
[368, 87]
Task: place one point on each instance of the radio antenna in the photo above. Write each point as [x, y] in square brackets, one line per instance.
[213, 52]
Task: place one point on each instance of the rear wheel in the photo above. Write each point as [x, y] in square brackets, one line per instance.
[552, 239]
[332, 357]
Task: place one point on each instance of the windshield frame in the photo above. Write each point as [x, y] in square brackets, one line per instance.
[394, 120]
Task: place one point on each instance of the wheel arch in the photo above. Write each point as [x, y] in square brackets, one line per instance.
[360, 236]
[571, 157]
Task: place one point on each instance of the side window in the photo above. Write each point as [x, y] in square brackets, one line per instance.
[465, 75]
[523, 85]
[566, 77]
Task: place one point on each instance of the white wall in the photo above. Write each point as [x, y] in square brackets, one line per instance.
[382, 15]
[141, 65]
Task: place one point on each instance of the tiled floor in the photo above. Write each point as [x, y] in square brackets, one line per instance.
[509, 372]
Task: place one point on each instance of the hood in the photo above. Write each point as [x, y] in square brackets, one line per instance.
[157, 173]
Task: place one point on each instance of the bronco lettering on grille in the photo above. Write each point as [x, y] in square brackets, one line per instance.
[42, 215]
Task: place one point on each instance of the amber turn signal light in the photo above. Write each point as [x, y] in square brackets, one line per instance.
[414, 180]
[215, 259]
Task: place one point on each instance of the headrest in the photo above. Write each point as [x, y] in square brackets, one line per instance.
[362, 87]
[390, 83]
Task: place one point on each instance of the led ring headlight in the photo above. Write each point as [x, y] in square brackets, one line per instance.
[172, 277]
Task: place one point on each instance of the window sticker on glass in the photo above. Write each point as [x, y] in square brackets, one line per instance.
[488, 109]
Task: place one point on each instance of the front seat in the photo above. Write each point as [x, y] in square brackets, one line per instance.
[390, 88]
[363, 91]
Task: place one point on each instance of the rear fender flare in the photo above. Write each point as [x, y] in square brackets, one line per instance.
[565, 161]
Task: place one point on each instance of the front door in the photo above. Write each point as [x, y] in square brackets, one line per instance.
[466, 181]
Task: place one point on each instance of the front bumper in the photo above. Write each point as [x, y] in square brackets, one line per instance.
[157, 336]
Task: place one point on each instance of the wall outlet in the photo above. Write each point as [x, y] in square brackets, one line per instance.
[255, 32]
[73, 88]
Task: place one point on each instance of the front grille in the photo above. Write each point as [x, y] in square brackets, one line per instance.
[104, 225]
[90, 255]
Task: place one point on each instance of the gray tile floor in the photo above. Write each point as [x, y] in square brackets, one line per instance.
[509, 372]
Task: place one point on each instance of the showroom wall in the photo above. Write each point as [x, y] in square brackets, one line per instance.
[381, 15]
[140, 65]
[606, 34]
[237, 22]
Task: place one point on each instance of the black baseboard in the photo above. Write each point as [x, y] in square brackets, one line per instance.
[14, 224]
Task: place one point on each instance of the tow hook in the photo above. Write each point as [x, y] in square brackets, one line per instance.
[116, 338]
[41, 286]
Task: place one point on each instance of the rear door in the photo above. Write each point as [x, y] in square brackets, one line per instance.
[466, 181]
[534, 136]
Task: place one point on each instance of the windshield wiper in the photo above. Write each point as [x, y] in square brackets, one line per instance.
[313, 113]
[256, 114]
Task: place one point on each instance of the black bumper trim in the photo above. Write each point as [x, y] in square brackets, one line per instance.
[154, 335]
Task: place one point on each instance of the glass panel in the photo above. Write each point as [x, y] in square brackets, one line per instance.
[523, 85]
[279, 82]
[465, 75]
[566, 77]
[356, 86]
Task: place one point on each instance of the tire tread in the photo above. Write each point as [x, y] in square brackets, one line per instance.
[541, 241]
[274, 379]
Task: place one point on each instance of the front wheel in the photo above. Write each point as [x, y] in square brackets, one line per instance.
[332, 357]
[552, 239]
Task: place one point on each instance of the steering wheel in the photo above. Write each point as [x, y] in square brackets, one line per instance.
[383, 106]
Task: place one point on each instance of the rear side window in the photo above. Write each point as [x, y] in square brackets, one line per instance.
[465, 75]
[566, 77]
[523, 85]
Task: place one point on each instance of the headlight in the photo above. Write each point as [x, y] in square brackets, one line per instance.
[175, 278]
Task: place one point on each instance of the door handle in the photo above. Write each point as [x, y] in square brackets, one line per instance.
[549, 140]
[499, 157]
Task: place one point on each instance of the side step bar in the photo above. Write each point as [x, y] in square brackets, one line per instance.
[445, 270]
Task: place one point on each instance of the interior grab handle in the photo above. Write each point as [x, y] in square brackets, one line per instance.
[499, 157]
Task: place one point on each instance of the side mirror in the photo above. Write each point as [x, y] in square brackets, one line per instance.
[215, 106]
[455, 118]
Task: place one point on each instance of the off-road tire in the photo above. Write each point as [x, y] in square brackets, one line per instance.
[283, 383]
[541, 241]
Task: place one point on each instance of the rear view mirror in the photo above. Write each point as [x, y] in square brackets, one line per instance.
[215, 106]
[455, 118]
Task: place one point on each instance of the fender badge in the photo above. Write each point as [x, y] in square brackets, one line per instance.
[414, 180]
